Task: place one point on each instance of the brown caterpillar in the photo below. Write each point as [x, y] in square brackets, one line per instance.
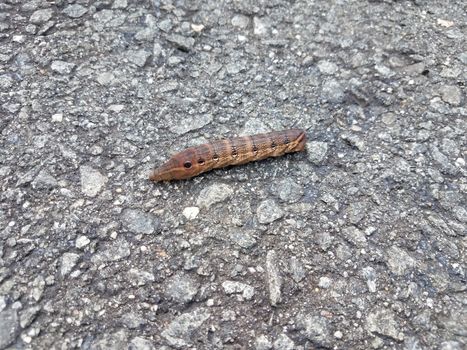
[221, 153]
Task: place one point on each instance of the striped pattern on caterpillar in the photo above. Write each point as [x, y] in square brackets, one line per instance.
[234, 151]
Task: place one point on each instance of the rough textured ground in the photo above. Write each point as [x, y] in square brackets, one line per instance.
[359, 243]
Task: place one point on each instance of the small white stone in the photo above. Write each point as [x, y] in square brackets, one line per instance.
[58, 117]
[190, 212]
[197, 27]
[338, 334]
[116, 108]
[82, 241]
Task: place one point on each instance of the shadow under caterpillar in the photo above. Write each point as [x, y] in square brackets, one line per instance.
[233, 151]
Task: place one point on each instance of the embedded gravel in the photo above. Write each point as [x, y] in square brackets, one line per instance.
[360, 243]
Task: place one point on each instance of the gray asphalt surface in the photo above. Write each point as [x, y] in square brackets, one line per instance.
[357, 244]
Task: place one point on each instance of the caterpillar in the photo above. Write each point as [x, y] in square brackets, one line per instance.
[233, 151]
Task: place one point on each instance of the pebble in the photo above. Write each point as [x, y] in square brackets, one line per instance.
[28, 315]
[105, 78]
[268, 211]
[132, 320]
[213, 194]
[68, 262]
[240, 21]
[398, 260]
[316, 151]
[92, 181]
[190, 213]
[355, 236]
[191, 123]
[283, 342]
[44, 181]
[57, 118]
[288, 190]
[274, 278]
[332, 91]
[140, 277]
[182, 288]
[327, 67]
[9, 327]
[112, 341]
[324, 282]
[296, 269]
[314, 328]
[383, 321]
[41, 16]
[113, 251]
[451, 94]
[263, 343]
[243, 238]
[62, 67]
[139, 57]
[233, 287]
[120, 4]
[75, 10]
[182, 42]
[82, 241]
[260, 26]
[178, 332]
[338, 335]
[140, 222]
[139, 343]
[370, 274]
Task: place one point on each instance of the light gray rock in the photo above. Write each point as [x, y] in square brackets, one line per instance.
[370, 274]
[117, 340]
[260, 26]
[274, 279]
[112, 251]
[139, 343]
[68, 262]
[62, 67]
[213, 194]
[75, 10]
[451, 94]
[316, 151]
[190, 123]
[288, 190]
[327, 67]
[106, 78]
[137, 221]
[234, 287]
[140, 277]
[325, 282]
[179, 333]
[383, 321]
[81, 242]
[44, 181]
[283, 342]
[41, 16]
[355, 236]
[27, 316]
[92, 181]
[139, 57]
[120, 4]
[263, 343]
[9, 327]
[399, 261]
[182, 288]
[240, 21]
[296, 269]
[333, 91]
[268, 211]
[182, 42]
[133, 320]
[314, 328]
[243, 238]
